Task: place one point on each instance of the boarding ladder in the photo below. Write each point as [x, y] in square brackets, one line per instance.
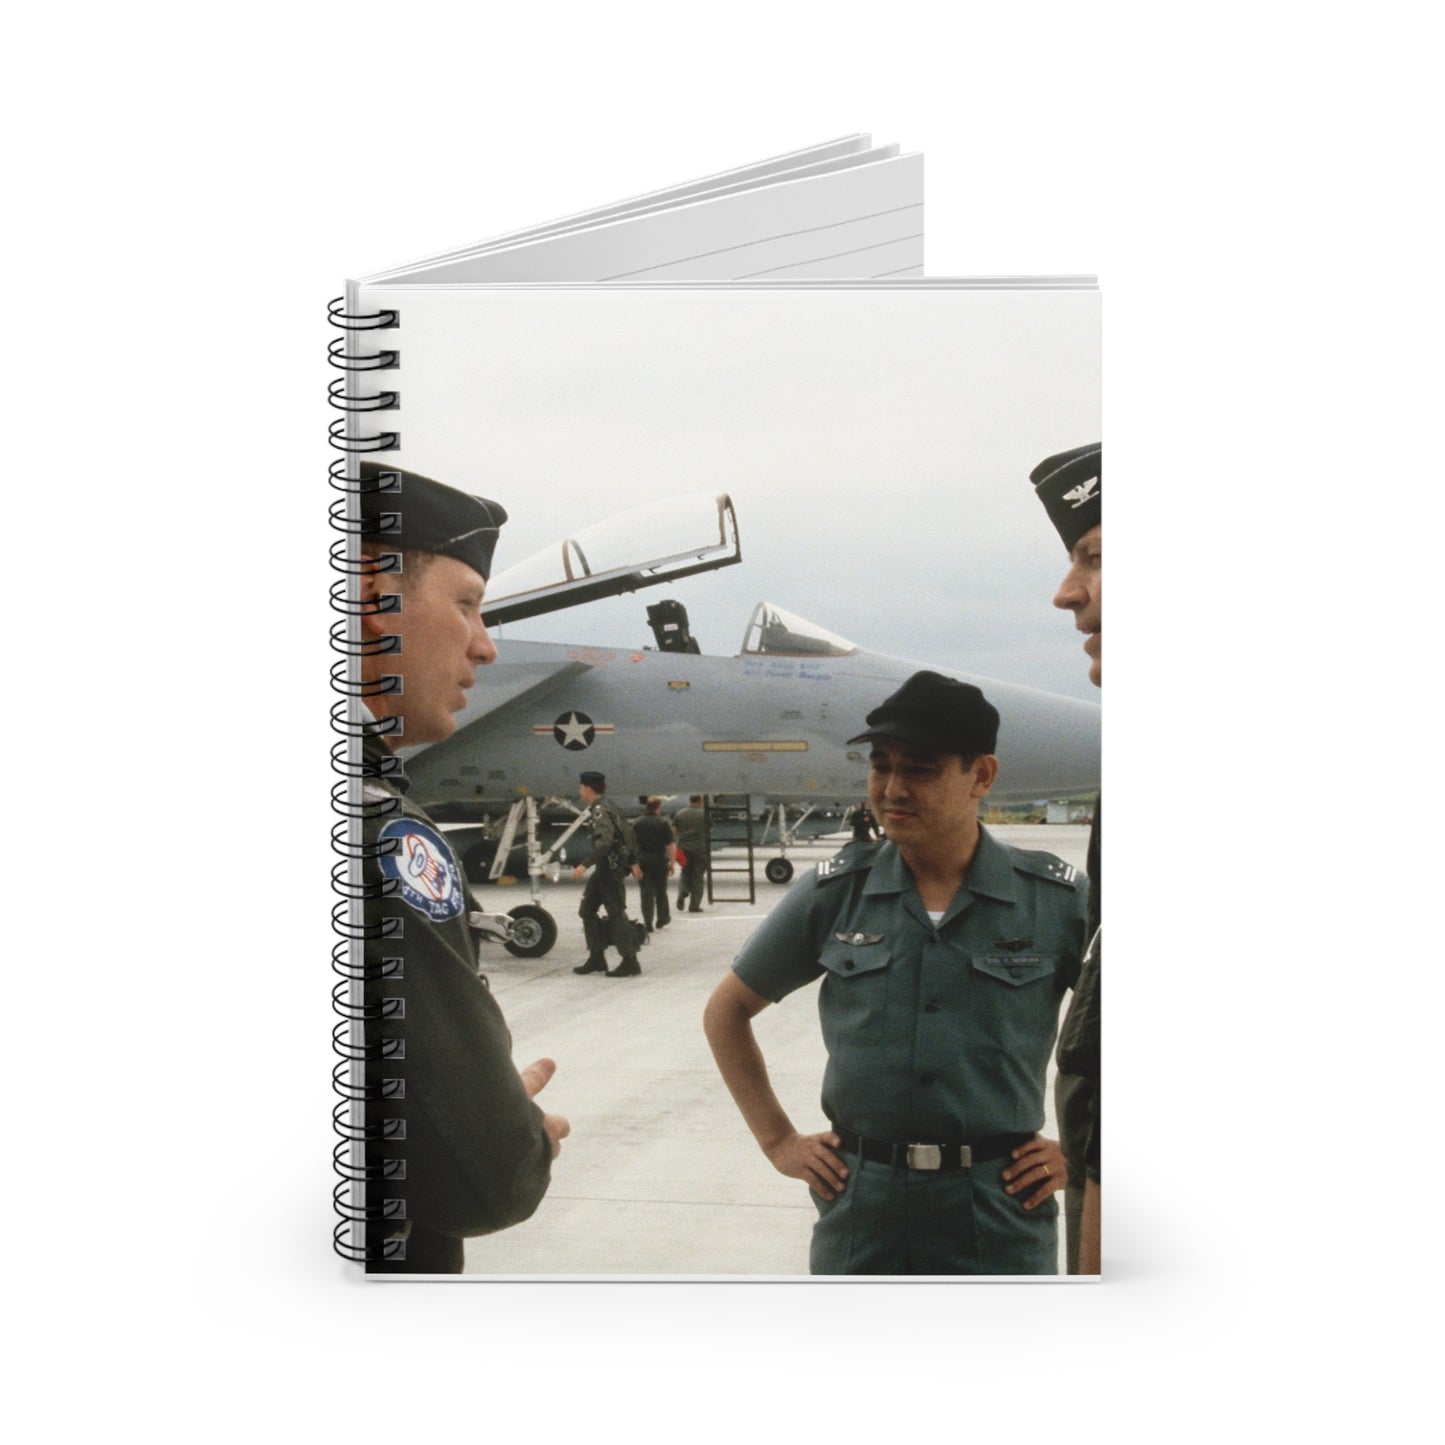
[725, 811]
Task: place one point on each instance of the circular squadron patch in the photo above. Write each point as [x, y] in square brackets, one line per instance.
[422, 864]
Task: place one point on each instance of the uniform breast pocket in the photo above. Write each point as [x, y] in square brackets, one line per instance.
[1014, 1003]
[854, 997]
[1017, 969]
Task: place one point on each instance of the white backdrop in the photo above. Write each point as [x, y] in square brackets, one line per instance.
[188, 187]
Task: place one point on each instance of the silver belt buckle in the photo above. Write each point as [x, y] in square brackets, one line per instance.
[930, 1156]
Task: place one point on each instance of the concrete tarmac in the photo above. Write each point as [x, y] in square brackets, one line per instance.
[660, 1177]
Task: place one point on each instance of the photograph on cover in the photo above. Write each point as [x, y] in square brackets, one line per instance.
[744, 527]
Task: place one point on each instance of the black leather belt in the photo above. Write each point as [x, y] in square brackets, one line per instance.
[930, 1156]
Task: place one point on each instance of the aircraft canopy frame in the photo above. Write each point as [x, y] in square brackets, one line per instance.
[775, 632]
[685, 534]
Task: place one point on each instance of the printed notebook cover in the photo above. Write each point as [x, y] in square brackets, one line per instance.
[738, 517]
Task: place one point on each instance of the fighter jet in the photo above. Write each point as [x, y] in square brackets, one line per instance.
[767, 724]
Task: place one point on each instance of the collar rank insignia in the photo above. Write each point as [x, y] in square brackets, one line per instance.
[858, 940]
[1012, 945]
[1062, 871]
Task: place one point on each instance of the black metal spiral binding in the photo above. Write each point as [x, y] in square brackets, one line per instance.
[358, 1168]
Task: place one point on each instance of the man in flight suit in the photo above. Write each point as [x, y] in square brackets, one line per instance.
[1071, 488]
[469, 1152]
[689, 825]
[943, 956]
[654, 864]
[606, 890]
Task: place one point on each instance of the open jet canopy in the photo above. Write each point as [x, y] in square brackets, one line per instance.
[678, 536]
[774, 632]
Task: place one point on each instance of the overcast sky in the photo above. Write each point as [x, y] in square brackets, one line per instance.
[876, 444]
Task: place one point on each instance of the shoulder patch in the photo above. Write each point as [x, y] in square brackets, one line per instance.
[1046, 865]
[431, 882]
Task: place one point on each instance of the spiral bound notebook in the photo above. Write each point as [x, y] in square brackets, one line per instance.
[631, 390]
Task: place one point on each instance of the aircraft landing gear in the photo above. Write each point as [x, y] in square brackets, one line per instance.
[778, 870]
[526, 932]
[534, 931]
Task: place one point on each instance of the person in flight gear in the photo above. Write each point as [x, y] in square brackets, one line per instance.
[1071, 488]
[864, 824]
[606, 892]
[689, 826]
[943, 955]
[471, 1152]
[654, 864]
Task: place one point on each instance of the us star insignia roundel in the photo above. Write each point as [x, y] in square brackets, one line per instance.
[423, 865]
[574, 730]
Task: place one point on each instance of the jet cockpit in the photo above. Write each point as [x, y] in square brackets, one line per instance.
[775, 632]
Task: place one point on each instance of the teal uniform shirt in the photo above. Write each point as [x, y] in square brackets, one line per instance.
[934, 1034]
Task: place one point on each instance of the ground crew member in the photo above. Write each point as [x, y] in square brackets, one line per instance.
[606, 892]
[654, 864]
[865, 825]
[476, 1150]
[689, 825]
[1071, 487]
[943, 956]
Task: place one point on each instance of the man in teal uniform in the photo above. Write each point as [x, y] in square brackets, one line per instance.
[1071, 488]
[943, 956]
[455, 1145]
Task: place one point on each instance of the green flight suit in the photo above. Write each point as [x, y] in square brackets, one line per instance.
[475, 1154]
[690, 825]
[603, 909]
[654, 838]
[1077, 1087]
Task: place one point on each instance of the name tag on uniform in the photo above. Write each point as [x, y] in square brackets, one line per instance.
[1012, 965]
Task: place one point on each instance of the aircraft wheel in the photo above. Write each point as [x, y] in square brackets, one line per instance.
[534, 931]
[778, 870]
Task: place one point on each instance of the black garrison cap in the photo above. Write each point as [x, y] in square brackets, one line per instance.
[596, 781]
[938, 714]
[414, 513]
[1071, 487]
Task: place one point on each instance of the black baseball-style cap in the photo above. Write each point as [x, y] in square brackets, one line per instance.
[1071, 487]
[410, 512]
[596, 781]
[936, 713]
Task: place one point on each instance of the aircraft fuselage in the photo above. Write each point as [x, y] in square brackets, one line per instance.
[770, 726]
